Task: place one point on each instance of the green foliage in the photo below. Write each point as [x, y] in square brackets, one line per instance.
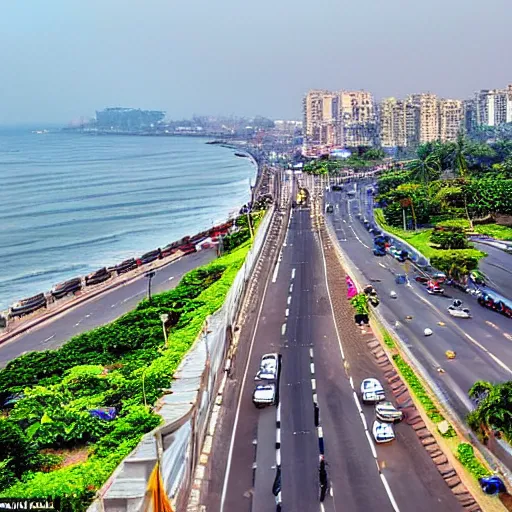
[466, 456]
[449, 236]
[495, 230]
[390, 180]
[107, 370]
[489, 196]
[457, 263]
[417, 388]
[360, 303]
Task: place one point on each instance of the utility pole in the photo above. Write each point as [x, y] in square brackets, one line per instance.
[150, 276]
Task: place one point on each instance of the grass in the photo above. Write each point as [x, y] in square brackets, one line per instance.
[419, 239]
[494, 230]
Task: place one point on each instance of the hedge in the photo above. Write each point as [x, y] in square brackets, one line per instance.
[55, 390]
[466, 456]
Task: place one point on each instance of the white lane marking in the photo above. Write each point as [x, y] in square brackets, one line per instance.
[237, 414]
[170, 278]
[293, 273]
[351, 382]
[320, 433]
[372, 445]
[276, 271]
[363, 419]
[358, 239]
[278, 435]
[322, 509]
[291, 288]
[278, 457]
[315, 396]
[87, 316]
[311, 353]
[278, 412]
[358, 404]
[389, 493]
[289, 301]
[283, 329]
[77, 324]
[48, 339]
[382, 265]
[287, 312]
[313, 384]
[312, 368]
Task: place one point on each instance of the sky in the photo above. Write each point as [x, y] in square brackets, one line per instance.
[63, 59]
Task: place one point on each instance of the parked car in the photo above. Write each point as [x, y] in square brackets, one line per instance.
[372, 391]
[264, 394]
[387, 412]
[269, 367]
[62, 289]
[459, 312]
[383, 432]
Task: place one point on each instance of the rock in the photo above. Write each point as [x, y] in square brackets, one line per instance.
[440, 459]
[419, 424]
[452, 481]
[443, 427]
[428, 441]
[444, 469]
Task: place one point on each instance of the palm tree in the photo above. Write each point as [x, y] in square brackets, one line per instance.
[425, 169]
[460, 162]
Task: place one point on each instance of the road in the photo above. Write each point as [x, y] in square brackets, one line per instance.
[497, 267]
[100, 310]
[296, 319]
[482, 343]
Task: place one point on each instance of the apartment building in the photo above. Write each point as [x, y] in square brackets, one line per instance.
[358, 117]
[451, 119]
[494, 106]
[393, 123]
[322, 121]
[428, 112]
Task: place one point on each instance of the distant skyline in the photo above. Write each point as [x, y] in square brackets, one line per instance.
[62, 60]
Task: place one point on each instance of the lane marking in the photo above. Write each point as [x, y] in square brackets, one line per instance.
[237, 414]
[293, 273]
[311, 352]
[390, 494]
[358, 404]
[363, 419]
[382, 265]
[170, 278]
[287, 312]
[313, 384]
[372, 445]
[289, 300]
[48, 339]
[312, 368]
[283, 329]
[351, 382]
[276, 271]
[291, 288]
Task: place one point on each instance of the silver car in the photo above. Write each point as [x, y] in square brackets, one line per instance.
[269, 367]
[382, 432]
[386, 411]
[264, 394]
[372, 391]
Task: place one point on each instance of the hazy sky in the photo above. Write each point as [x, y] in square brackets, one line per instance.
[61, 59]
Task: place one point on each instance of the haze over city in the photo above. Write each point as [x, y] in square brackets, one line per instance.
[65, 60]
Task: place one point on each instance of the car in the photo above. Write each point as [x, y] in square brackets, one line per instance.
[372, 391]
[387, 412]
[383, 432]
[264, 394]
[422, 279]
[269, 367]
[459, 312]
[329, 208]
[433, 288]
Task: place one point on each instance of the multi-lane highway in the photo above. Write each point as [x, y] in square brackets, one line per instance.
[482, 344]
[296, 319]
[497, 267]
[100, 310]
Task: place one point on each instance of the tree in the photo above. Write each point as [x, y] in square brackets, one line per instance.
[457, 263]
[449, 237]
[425, 170]
[459, 156]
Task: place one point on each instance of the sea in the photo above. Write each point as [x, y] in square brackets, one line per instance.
[71, 203]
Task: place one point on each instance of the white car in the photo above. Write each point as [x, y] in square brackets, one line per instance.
[459, 312]
[269, 367]
[372, 391]
[264, 394]
[387, 412]
[383, 432]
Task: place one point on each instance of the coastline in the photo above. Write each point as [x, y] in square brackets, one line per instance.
[69, 300]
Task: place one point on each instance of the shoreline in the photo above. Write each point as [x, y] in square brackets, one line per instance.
[85, 290]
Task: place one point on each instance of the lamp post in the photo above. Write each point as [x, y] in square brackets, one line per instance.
[150, 276]
[164, 317]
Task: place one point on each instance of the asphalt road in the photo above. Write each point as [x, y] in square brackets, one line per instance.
[296, 320]
[100, 310]
[497, 267]
[482, 343]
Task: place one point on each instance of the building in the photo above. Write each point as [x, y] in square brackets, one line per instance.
[358, 118]
[128, 119]
[470, 122]
[322, 123]
[392, 123]
[428, 116]
[412, 122]
[451, 119]
[494, 106]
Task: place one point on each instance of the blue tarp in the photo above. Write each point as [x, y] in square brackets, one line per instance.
[104, 413]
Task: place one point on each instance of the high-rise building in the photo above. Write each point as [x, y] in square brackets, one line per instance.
[392, 123]
[358, 118]
[412, 122]
[469, 107]
[322, 121]
[451, 119]
[428, 116]
[494, 106]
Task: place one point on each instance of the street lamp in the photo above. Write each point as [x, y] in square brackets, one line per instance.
[164, 318]
[150, 276]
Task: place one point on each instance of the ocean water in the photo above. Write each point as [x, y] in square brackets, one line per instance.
[72, 203]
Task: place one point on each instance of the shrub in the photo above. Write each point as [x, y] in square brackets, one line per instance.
[457, 263]
[466, 456]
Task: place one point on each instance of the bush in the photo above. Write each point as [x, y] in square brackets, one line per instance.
[466, 456]
[457, 263]
[449, 236]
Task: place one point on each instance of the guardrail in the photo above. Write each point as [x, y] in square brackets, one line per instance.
[177, 444]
